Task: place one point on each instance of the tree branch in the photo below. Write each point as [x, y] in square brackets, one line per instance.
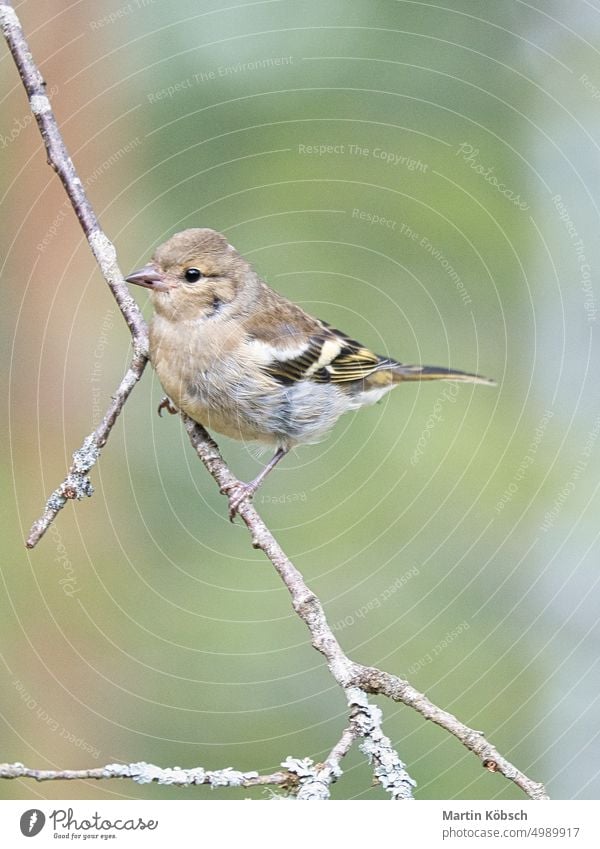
[77, 484]
[143, 773]
[355, 679]
[346, 672]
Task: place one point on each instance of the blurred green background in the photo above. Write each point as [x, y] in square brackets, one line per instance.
[451, 533]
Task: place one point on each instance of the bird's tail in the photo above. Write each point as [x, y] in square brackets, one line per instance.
[401, 372]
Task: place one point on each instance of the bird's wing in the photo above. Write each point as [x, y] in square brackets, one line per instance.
[292, 345]
[326, 356]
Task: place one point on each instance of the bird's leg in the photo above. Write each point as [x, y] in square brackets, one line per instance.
[167, 404]
[241, 491]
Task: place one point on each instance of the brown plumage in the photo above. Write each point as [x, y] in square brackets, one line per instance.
[243, 360]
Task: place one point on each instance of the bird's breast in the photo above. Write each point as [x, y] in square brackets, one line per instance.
[205, 368]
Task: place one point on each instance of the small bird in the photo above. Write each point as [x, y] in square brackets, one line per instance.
[242, 360]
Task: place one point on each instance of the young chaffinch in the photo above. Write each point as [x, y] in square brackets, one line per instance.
[241, 359]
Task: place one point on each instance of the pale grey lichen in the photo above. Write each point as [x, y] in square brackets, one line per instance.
[145, 773]
[335, 770]
[229, 777]
[103, 250]
[356, 696]
[119, 770]
[302, 767]
[77, 487]
[312, 790]
[388, 769]
[86, 456]
[56, 501]
[39, 104]
[314, 782]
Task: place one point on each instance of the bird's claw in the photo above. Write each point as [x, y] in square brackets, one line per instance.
[166, 404]
[237, 493]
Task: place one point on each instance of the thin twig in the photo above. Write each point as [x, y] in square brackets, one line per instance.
[77, 484]
[143, 773]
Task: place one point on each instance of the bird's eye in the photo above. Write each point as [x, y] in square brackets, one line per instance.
[193, 274]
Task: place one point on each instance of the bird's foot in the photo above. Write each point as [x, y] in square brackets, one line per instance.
[237, 493]
[167, 404]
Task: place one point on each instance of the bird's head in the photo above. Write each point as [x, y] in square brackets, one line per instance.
[194, 274]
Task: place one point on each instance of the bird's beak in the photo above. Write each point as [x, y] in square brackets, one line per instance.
[149, 277]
